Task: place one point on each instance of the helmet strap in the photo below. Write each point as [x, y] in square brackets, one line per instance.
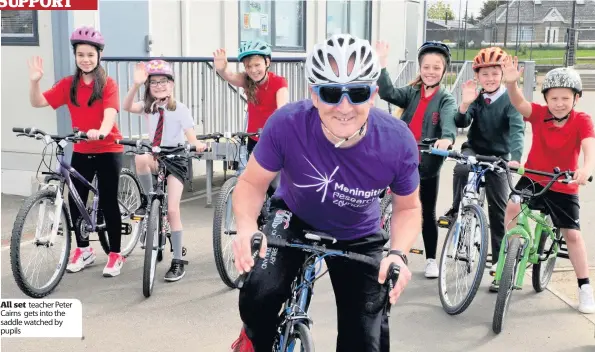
[560, 119]
[359, 132]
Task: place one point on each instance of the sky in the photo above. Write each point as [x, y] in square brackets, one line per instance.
[473, 6]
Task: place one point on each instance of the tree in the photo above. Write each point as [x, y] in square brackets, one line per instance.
[488, 7]
[441, 11]
[471, 19]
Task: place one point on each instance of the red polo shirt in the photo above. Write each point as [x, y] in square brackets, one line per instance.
[86, 117]
[266, 95]
[417, 121]
[554, 146]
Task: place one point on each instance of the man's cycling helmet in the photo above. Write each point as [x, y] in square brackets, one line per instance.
[257, 47]
[434, 47]
[562, 77]
[160, 68]
[488, 57]
[341, 48]
[87, 35]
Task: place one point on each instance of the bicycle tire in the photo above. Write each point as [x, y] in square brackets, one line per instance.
[507, 281]
[385, 216]
[483, 254]
[302, 333]
[539, 282]
[133, 240]
[151, 247]
[15, 246]
[218, 219]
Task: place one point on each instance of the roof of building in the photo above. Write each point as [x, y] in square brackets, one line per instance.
[536, 11]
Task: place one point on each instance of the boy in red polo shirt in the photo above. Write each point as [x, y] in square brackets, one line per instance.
[92, 100]
[559, 133]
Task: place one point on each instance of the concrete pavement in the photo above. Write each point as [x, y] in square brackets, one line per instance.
[200, 314]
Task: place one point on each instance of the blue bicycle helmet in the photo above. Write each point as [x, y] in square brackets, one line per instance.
[434, 47]
[257, 47]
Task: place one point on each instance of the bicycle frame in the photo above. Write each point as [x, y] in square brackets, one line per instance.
[523, 230]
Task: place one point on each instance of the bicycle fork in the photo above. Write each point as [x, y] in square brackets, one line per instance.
[58, 201]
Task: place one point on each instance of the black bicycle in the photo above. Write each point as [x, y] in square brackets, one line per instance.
[223, 219]
[295, 323]
[157, 229]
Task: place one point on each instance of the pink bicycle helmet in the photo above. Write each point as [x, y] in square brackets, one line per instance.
[160, 68]
[87, 35]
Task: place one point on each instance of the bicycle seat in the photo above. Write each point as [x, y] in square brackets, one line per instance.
[317, 236]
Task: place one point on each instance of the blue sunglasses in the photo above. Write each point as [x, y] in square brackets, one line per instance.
[333, 94]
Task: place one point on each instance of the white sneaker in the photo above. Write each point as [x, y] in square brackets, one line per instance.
[493, 269]
[586, 301]
[82, 258]
[114, 263]
[431, 269]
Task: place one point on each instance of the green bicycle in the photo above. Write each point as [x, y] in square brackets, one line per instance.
[520, 246]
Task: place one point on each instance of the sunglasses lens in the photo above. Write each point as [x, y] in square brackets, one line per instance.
[331, 95]
[359, 95]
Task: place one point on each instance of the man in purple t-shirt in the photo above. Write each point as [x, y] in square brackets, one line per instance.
[335, 153]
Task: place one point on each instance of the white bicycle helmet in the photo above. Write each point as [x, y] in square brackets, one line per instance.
[342, 47]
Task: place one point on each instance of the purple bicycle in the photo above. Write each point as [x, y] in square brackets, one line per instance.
[54, 224]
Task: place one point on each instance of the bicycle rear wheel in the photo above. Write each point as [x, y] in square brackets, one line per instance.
[37, 240]
[542, 271]
[507, 282]
[224, 228]
[466, 243]
[152, 240]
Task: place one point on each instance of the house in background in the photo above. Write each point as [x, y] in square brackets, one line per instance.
[451, 31]
[540, 21]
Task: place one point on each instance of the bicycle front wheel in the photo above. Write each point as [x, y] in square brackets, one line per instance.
[542, 271]
[465, 253]
[507, 282]
[300, 339]
[224, 230]
[38, 237]
[151, 247]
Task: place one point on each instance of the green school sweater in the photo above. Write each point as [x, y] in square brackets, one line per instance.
[496, 129]
[439, 117]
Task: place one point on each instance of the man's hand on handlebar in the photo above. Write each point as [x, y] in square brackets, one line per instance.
[515, 164]
[404, 276]
[242, 250]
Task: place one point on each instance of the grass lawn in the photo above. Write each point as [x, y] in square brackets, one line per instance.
[540, 56]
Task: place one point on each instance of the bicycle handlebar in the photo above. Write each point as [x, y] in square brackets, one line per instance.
[217, 135]
[143, 147]
[35, 132]
[371, 307]
[493, 163]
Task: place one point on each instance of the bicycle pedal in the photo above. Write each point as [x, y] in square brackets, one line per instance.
[126, 229]
[416, 251]
[444, 222]
[136, 217]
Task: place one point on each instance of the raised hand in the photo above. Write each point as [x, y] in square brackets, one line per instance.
[382, 52]
[510, 70]
[35, 68]
[220, 59]
[140, 73]
[470, 92]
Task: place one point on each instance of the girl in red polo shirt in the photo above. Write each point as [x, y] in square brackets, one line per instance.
[429, 110]
[92, 100]
[266, 91]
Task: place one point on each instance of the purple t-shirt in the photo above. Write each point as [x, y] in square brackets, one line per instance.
[335, 190]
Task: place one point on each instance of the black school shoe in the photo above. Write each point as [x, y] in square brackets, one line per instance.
[176, 270]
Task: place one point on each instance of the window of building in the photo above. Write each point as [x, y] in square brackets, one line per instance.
[20, 28]
[353, 17]
[280, 23]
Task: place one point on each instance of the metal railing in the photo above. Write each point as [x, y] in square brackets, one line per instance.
[216, 105]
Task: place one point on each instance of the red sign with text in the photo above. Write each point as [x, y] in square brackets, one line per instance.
[49, 5]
